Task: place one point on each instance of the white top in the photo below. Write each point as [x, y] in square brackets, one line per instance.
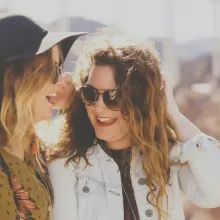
[95, 192]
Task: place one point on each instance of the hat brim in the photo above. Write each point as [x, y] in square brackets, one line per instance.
[66, 39]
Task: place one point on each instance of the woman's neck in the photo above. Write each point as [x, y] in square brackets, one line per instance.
[118, 145]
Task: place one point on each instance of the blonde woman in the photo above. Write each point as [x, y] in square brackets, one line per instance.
[128, 152]
[31, 62]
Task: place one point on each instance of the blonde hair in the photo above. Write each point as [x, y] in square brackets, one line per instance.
[22, 80]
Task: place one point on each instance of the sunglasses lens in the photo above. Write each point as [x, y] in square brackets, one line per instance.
[112, 99]
[88, 95]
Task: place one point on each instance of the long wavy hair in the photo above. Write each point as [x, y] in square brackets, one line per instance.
[137, 72]
[23, 79]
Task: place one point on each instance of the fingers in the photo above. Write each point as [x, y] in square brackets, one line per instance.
[66, 79]
[55, 88]
[166, 80]
[162, 84]
[165, 76]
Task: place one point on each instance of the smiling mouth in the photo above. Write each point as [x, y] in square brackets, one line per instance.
[105, 121]
[51, 98]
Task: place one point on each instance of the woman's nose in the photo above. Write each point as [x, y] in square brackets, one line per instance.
[100, 105]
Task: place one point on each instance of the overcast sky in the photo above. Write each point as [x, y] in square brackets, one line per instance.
[192, 19]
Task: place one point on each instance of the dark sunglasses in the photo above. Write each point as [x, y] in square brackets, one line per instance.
[59, 69]
[111, 98]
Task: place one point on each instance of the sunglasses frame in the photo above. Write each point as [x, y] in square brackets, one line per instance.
[59, 70]
[97, 93]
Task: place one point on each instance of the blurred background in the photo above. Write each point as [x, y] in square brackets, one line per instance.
[186, 32]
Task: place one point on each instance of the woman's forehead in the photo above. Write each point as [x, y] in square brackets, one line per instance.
[102, 77]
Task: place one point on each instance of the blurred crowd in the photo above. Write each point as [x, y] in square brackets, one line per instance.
[198, 95]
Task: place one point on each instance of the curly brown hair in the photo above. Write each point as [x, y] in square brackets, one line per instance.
[137, 72]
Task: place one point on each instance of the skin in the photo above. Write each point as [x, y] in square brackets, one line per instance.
[116, 135]
[62, 90]
[43, 108]
[194, 212]
[65, 91]
[115, 131]
[183, 127]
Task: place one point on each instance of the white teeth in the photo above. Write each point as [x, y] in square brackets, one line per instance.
[52, 94]
[50, 97]
[105, 119]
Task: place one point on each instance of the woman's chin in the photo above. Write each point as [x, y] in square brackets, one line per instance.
[44, 117]
[104, 137]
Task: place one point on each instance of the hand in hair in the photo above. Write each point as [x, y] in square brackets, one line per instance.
[167, 87]
[183, 127]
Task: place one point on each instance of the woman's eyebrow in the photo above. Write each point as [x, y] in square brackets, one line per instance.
[101, 89]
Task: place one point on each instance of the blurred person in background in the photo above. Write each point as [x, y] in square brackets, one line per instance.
[31, 62]
[127, 151]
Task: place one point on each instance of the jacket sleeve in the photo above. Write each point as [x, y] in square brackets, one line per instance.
[199, 178]
[63, 181]
[8, 209]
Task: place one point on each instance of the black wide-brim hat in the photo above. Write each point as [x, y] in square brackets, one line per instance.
[66, 40]
[21, 37]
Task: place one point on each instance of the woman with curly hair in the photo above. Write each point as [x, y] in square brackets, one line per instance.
[127, 151]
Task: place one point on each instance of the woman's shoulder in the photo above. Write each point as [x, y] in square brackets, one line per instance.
[60, 166]
[60, 163]
[60, 172]
[3, 168]
[8, 159]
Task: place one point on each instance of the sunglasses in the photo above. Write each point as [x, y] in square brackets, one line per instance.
[111, 98]
[59, 69]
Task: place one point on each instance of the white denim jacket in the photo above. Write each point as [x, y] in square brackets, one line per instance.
[95, 192]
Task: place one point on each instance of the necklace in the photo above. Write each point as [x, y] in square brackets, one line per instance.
[126, 158]
[128, 201]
